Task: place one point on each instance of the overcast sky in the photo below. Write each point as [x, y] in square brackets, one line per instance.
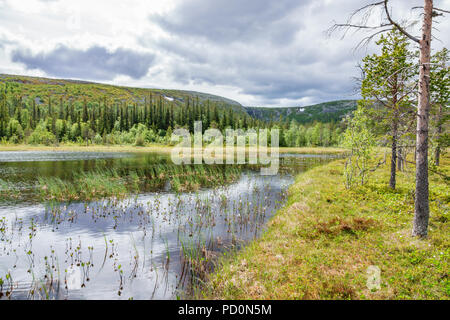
[258, 52]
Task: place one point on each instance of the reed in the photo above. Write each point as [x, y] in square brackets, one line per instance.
[100, 184]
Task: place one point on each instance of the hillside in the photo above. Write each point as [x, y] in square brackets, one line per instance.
[76, 91]
[323, 112]
[36, 110]
[40, 89]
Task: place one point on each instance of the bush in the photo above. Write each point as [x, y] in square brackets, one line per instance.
[98, 139]
[14, 139]
[140, 141]
[41, 135]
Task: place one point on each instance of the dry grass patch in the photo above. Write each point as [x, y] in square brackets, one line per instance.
[337, 225]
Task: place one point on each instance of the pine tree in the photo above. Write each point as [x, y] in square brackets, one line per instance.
[440, 96]
[208, 116]
[61, 108]
[388, 86]
[50, 111]
[85, 111]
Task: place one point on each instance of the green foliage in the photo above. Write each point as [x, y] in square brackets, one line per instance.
[80, 112]
[360, 139]
[41, 136]
[313, 135]
[440, 95]
[388, 85]
[440, 77]
[140, 141]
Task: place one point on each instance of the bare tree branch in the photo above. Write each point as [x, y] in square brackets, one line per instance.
[362, 24]
[386, 10]
[365, 41]
[441, 10]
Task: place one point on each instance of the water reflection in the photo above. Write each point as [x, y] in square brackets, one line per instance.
[151, 246]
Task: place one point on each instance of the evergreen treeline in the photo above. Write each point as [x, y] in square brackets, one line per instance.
[313, 134]
[61, 120]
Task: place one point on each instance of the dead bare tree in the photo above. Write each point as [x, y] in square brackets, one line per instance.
[421, 210]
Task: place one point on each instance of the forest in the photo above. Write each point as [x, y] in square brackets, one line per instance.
[49, 118]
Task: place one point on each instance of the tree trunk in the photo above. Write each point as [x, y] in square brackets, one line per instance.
[422, 210]
[399, 159]
[439, 132]
[394, 152]
[395, 122]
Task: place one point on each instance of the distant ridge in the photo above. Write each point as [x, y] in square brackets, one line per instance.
[322, 112]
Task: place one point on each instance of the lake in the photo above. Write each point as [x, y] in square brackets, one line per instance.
[156, 241]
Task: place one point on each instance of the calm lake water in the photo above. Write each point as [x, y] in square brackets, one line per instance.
[154, 245]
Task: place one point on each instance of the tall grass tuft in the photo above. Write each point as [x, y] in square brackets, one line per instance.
[103, 183]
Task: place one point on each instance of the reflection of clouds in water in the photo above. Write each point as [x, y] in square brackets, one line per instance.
[35, 156]
[139, 233]
[149, 227]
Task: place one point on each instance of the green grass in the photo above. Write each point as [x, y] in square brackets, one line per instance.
[85, 186]
[8, 190]
[320, 245]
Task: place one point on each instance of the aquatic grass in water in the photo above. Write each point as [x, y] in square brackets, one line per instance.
[155, 245]
[9, 190]
[84, 186]
[106, 183]
[165, 240]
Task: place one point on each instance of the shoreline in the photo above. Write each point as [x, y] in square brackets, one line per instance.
[151, 148]
[326, 240]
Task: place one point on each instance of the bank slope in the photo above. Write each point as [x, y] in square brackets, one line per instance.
[321, 244]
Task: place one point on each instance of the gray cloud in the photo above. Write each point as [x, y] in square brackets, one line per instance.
[271, 84]
[96, 63]
[272, 51]
[232, 20]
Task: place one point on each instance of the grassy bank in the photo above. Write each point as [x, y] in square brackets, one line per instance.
[91, 148]
[320, 245]
[149, 148]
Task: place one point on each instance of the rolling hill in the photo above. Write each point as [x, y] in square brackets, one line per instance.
[76, 90]
[39, 89]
